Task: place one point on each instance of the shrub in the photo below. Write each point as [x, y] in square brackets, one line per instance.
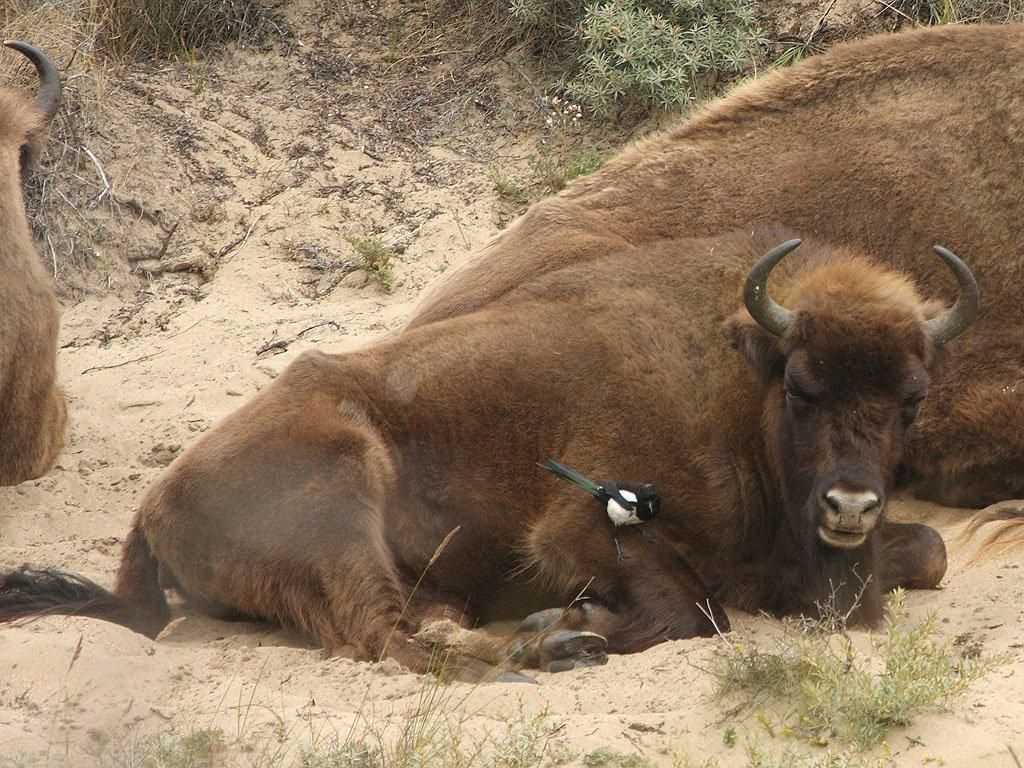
[648, 52]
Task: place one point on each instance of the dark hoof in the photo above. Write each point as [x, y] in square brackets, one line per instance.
[539, 621]
[564, 665]
[569, 644]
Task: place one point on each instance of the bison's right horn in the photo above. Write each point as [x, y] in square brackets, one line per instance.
[772, 317]
[48, 96]
[954, 321]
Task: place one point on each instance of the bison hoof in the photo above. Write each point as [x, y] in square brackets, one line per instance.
[564, 665]
[539, 621]
[583, 649]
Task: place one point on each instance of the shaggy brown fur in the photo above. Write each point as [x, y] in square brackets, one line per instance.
[32, 410]
[322, 501]
[885, 144]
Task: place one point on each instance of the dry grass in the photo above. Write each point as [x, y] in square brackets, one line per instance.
[65, 188]
[133, 29]
[959, 11]
[834, 694]
[434, 734]
[72, 203]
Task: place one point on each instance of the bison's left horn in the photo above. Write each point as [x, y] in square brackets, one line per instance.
[954, 321]
[48, 96]
[772, 317]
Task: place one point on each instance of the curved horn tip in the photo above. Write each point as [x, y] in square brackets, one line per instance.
[48, 98]
[771, 316]
[958, 318]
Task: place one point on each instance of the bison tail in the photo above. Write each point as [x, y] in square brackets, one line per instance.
[1004, 525]
[137, 602]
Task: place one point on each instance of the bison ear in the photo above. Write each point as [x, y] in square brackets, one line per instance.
[759, 348]
[934, 357]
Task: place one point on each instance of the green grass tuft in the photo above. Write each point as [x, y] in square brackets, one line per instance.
[606, 757]
[373, 258]
[834, 693]
[550, 173]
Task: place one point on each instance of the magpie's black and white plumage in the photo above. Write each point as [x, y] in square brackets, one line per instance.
[625, 503]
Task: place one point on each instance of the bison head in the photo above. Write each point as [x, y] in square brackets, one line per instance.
[845, 368]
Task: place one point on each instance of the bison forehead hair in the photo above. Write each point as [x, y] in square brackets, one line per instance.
[859, 326]
[18, 118]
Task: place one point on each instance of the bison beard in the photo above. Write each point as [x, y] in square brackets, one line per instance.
[321, 502]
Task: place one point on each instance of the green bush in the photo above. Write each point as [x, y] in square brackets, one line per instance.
[649, 52]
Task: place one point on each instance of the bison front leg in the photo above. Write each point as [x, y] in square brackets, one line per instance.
[476, 654]
[913, 556]
[628, 585]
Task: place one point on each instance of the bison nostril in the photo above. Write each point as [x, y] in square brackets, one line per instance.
[849, 503]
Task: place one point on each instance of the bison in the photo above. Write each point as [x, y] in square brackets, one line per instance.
[361, 496]
[32, 408]
[881, 145]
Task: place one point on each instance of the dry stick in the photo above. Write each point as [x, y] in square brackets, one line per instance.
[119, 365]
[893, 9]
[282, 344]
[163, 247]
[304, 331]
[136, 206]
[103, 176]
[821, 22]
[63, 686]
[235, 244]
[188, 265]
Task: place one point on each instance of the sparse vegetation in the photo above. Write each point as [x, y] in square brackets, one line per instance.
[831, 692]
[204, 748]
[605, 757]
[959, 11]
[373, 258]
[432, 735]
[550, 172]
[758, 757]
[510, 189]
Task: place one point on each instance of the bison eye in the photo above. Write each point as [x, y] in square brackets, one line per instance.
[909, 409]
[797, 396]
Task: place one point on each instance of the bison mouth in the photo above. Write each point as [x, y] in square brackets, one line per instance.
[842, 539]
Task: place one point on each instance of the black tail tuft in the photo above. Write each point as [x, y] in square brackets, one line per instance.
[32, 592]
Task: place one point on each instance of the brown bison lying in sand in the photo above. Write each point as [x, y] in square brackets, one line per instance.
[322, 502]
[32, 411]
[882, 145]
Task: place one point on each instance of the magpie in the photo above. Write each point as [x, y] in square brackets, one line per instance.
[625, 503]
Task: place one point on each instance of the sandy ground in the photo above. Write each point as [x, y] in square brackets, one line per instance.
[266, 160]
